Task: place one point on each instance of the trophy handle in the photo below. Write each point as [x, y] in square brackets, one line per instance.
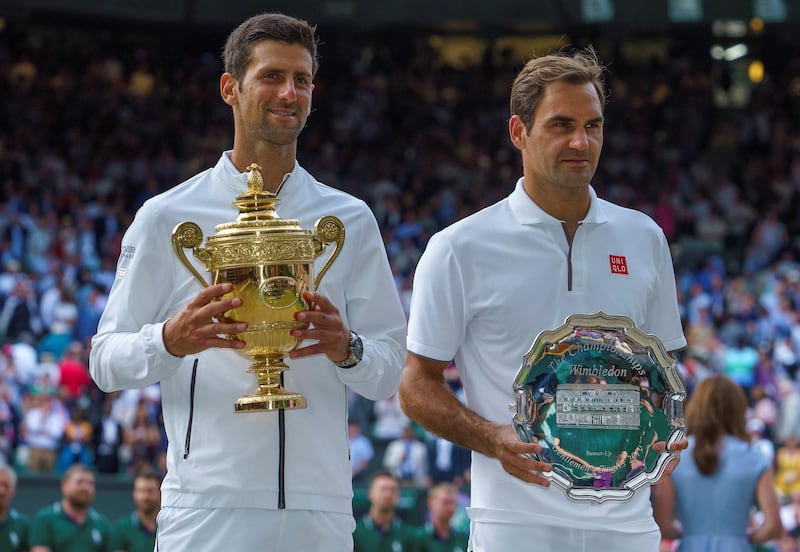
[328, 229]
[188, 234]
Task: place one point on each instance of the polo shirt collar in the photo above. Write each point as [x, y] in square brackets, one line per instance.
[528, 212]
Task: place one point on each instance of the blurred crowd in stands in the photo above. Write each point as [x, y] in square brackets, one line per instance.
[92, 124]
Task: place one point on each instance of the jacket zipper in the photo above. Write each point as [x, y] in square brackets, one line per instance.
[188, 442]
[281, 456]
[281, 421]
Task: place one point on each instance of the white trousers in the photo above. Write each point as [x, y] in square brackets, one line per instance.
[497, 537]
[254, 530]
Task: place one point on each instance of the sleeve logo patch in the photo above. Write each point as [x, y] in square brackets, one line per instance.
[618, 264]
[125, 258]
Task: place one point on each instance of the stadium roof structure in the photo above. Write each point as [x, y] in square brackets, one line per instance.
[525, 15]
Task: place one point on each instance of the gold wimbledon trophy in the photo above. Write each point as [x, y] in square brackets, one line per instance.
[270, 263]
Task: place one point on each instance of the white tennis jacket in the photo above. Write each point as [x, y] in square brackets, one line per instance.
[296, 459]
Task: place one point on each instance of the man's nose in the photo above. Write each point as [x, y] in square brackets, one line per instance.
[288, 91]
[579, 140]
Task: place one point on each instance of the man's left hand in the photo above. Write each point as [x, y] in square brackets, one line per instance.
[677, 447]
[326, 327]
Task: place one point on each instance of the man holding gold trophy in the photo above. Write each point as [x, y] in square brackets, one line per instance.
[255, 463]
[593, 279]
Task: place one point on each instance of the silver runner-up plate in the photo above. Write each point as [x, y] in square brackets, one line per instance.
[597, 394]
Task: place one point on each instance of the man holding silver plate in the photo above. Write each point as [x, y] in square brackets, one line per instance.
[569, 302]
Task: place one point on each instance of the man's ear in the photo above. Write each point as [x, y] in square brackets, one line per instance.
[517, 132]
[228, 88]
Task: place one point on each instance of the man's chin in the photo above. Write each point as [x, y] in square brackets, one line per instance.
[80, 503]
[281, 136]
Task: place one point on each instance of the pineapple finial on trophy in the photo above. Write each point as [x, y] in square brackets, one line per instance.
[255, 182]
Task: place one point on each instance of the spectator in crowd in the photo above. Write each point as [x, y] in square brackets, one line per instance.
[389, 419]
[769, 236]
[9, 425]
[76, 446]
[41, 431]
[360, 409]
[143, 441]
[708, 501]
[756, 429]
[93, 297]
[361, 449]
[790, 515]
[136, 532]
[158, 327]
[72, 524]
[407, 458]
[764, 408]
[61, 332]
[381, 529]
[788, 410]
[447, 462]
[739, 363]
[787, 466]
[128, 402]
[558, 245]
[27, 370]
[74, 377]
[437, 535]
[107, 437]
[14, 526]
[19, 312]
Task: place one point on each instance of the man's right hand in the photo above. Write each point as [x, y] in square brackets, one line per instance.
[202, 324]
[513, 456]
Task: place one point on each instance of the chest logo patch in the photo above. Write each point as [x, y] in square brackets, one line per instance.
[618, 264]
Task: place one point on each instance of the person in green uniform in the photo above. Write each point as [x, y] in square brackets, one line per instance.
[71, 524]
[14, 527]
[380, 529]
[136, 532]
[438, 535]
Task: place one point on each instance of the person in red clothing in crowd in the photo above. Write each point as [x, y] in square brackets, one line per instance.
[74, 373]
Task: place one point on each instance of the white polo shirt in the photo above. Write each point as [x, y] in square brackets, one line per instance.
[487, 285]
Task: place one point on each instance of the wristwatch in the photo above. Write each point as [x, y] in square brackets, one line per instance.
[356, 352]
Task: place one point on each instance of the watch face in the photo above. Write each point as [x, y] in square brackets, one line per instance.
[358, 347]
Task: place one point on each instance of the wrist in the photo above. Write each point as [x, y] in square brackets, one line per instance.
[355, 352]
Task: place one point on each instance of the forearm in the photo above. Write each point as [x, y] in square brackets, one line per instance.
[124, 360]
[765, 532]
[670, 531]
[664, 509]
[128, 349]
[426, 399]
[767, 499]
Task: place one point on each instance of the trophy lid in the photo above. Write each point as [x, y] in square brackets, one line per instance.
[257, 210]
[258, 237]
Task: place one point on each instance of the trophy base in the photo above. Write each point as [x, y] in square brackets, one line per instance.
[267, 402]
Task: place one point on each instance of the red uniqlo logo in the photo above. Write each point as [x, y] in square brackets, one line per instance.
[618, 264]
